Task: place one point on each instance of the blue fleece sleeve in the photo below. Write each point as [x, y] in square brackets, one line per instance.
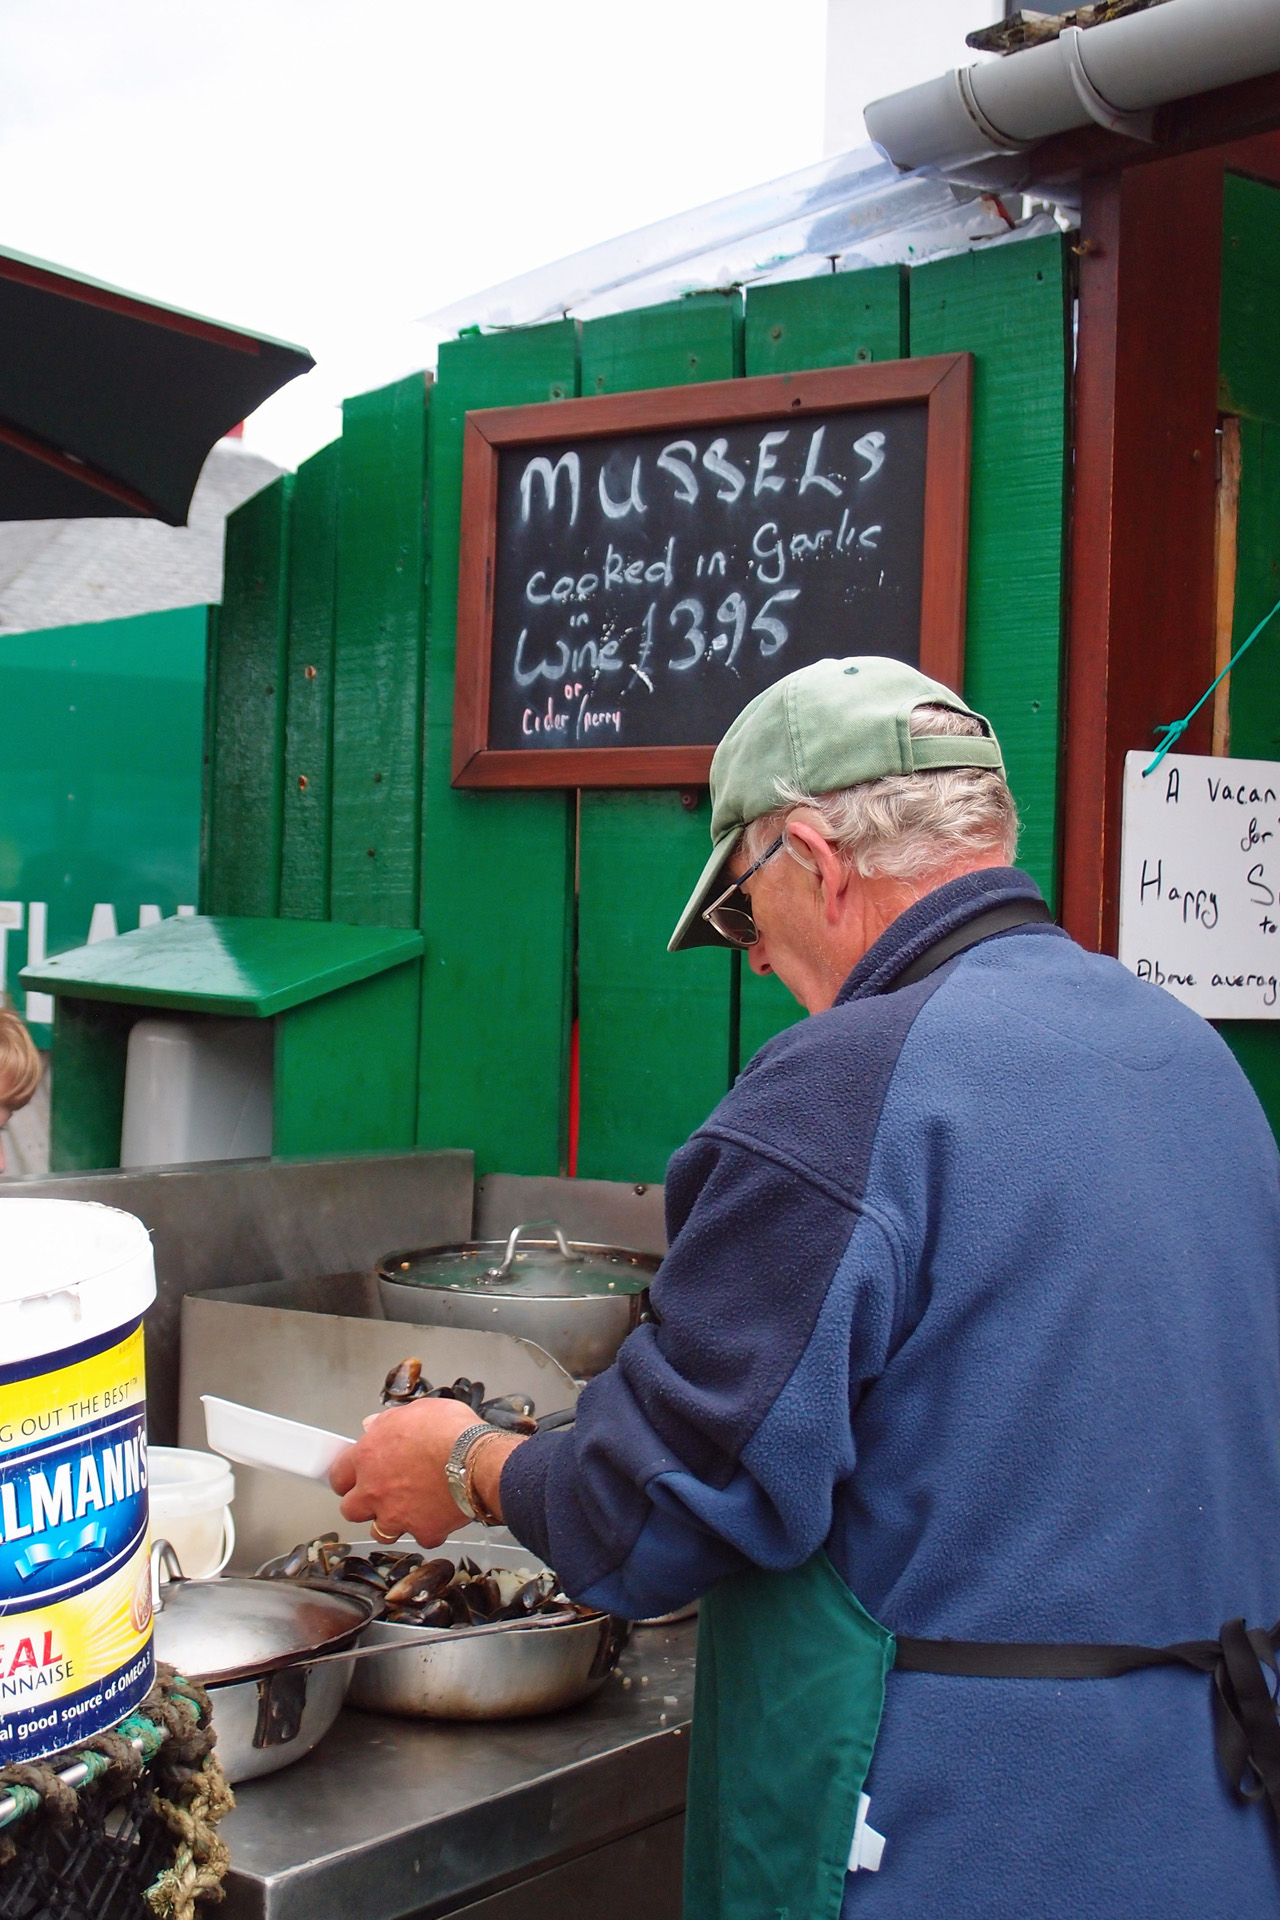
[717, 1437]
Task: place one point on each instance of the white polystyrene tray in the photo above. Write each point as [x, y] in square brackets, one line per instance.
[255, 1439]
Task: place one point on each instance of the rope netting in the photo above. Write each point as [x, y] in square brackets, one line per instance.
[138, 1838]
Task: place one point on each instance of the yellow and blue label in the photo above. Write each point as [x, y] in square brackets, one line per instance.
[75, 1584]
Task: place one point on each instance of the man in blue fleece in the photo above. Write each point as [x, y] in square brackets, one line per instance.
[969, 1332]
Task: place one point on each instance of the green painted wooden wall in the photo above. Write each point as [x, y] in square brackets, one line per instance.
[377, 663]
[1249, 385]
[346, 1067]
[314, 750]
[308, 749]
[539, 907]
[90, 1050]
[497, 868]
[247, 674]
[653, 1028]
[829, 322]
[1008, 306]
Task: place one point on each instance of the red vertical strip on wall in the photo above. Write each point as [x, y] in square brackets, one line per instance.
[574, 1102]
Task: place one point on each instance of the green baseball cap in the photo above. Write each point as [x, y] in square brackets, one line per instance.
[833, 724]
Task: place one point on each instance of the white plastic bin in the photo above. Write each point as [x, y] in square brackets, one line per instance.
[198, 1088]
[191, 1495]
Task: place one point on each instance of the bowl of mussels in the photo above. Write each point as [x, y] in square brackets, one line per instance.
[476, 1629]
[470, 1631]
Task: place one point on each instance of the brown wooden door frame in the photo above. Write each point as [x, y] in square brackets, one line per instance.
[1141, 563]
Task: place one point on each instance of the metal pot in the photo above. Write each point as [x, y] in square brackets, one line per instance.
[576, 1300]
[242, 1639]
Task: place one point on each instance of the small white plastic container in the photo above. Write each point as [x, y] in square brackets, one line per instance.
[256, 1439]
[191, 1495]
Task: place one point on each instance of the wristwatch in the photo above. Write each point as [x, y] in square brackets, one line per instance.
[455, 1467]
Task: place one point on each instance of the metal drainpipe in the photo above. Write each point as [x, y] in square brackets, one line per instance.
[1116, 74]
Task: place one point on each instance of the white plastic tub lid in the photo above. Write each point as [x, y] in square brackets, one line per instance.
[70, 1271]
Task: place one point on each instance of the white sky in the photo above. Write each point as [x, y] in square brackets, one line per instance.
[327, 170]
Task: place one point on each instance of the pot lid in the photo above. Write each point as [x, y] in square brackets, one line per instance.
[226, 1629]
[524, 1266]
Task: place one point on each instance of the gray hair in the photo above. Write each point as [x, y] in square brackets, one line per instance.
[909, 825]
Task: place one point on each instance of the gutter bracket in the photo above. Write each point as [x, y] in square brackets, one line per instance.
[1000, 142]
[1138, 126]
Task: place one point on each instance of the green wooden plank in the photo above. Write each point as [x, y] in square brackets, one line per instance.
[212, 615]
[825, 322]
[497, 868]
[1008, 307]
[346, 1068]
[1248, 363]
[378, 645]
[1255, 682]
[1255, 694]
[249, 707]
[253, 967]
[835, 320]
[308, 744]
[674, 345]
[1249, 384]
[653, 1027]
[90, 1046]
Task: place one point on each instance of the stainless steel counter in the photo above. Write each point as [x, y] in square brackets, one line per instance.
[393, 1818]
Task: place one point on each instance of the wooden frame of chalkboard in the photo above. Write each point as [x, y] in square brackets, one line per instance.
[933, 402]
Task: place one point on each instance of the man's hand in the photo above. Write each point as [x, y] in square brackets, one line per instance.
[394, 1475]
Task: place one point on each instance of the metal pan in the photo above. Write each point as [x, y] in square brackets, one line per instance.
[272, 1701]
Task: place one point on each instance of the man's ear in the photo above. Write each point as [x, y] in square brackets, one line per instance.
[826, 865]
[834, 876]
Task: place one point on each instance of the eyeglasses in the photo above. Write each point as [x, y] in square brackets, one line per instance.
[735, 924]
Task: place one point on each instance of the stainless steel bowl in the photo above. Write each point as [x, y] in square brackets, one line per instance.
[503, 1672]
[239, 1713]
[248, 1643]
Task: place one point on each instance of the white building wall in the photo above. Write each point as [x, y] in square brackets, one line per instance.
[876, 47]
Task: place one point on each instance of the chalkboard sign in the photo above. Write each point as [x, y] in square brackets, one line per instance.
[636, 568]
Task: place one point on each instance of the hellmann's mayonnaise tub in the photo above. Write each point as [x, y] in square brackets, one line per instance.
[75, 1583]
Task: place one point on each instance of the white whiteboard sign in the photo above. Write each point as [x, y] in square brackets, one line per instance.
[1200, 882]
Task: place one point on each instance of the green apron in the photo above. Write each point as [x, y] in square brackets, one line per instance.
[787, 1705]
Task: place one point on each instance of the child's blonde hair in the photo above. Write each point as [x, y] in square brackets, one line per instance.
[20, 1063]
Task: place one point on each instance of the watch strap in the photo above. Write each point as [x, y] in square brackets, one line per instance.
[477, 1505]
[455, 1466]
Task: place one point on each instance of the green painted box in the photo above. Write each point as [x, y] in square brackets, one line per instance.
[343, 1000]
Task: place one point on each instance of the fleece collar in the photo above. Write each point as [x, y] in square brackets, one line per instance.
[931, 919]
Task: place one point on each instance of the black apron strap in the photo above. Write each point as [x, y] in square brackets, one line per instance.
[1244, 1714]
[1246, 1726]
[1002, 919]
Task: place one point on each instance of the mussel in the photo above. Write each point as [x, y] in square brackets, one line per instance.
[418, 1592]
[424, 1582]
[404, 1383]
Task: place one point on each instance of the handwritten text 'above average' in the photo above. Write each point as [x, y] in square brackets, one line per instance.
[648, 587]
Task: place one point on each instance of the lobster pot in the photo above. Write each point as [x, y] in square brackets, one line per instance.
[75, 1586]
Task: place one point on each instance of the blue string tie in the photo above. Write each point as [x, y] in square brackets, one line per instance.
[1176, 728]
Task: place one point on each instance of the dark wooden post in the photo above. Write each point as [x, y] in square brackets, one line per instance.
[1141, 575]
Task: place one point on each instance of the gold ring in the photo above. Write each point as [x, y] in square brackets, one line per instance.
[383, 1539]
